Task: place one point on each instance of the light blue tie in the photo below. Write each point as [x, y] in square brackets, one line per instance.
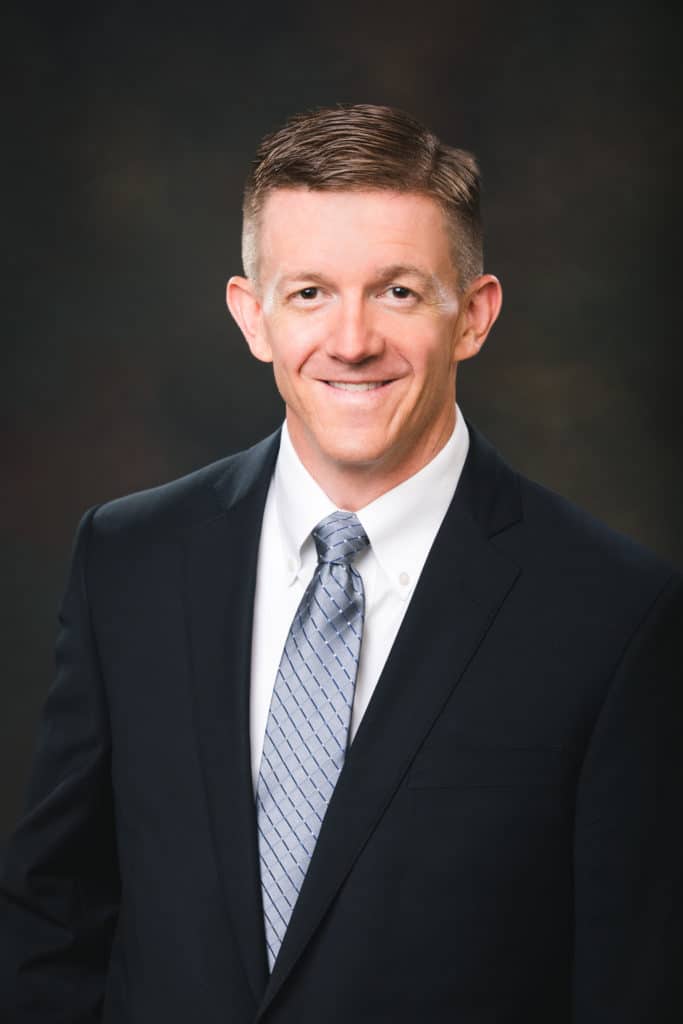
[308, 721]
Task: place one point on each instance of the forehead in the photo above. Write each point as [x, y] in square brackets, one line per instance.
[358, 228]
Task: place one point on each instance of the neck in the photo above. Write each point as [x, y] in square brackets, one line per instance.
[352, 486]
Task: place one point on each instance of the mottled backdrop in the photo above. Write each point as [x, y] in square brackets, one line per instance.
[126, 139]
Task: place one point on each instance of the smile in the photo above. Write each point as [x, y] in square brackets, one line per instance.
[366, 386]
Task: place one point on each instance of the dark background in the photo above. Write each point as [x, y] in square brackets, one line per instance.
[126, 141]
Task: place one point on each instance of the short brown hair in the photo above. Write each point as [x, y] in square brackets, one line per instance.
[359, 146]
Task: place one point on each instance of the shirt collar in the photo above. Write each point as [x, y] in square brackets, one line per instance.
[299, 501]
[401, 525]
[403, 522]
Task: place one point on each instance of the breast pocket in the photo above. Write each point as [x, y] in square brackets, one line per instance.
[458, 767]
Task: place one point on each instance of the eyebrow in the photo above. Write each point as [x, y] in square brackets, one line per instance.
[383, 276]
[302, 275]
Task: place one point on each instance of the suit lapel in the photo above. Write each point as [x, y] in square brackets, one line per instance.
[221, 557]
[462, 587]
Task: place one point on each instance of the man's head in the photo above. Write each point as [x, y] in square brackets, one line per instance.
[362, 148]
[363, 296]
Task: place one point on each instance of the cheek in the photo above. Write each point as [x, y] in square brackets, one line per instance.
[430, 353]
[292, 341]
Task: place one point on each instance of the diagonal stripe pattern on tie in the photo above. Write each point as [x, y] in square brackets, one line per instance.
[308, 721]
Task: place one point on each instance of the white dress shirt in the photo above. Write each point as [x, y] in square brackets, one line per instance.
[401, 525]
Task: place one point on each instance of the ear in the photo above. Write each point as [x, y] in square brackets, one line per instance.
[480, 308]
[245, 305]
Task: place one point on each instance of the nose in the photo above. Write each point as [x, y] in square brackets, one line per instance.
[354, 336]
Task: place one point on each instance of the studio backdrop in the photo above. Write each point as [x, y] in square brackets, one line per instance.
[127, 139]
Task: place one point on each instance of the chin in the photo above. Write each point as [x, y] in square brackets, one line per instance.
[343, 448]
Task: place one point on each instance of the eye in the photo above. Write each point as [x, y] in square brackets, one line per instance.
[308, 293]
[401, 295]
[399, 291]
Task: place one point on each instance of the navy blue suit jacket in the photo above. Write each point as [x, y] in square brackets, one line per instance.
[503, 842]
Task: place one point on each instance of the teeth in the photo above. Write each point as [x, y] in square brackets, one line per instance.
[345, 386]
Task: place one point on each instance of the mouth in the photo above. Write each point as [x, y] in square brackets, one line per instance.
[369, 385]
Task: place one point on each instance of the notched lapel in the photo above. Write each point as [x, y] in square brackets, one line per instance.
[463, 585]
[221, 557]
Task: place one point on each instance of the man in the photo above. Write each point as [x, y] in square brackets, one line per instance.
[359, 724]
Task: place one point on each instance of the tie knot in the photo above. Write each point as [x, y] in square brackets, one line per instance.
[339, 537]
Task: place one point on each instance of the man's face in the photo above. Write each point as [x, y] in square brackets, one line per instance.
[358, 309]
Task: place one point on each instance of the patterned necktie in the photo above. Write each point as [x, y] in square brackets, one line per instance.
[308, 721]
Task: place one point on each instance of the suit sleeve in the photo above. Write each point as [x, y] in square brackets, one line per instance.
[628, 849]
[59, 886]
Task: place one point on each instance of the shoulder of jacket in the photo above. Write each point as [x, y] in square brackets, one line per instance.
[578, 538]
[180, 504]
